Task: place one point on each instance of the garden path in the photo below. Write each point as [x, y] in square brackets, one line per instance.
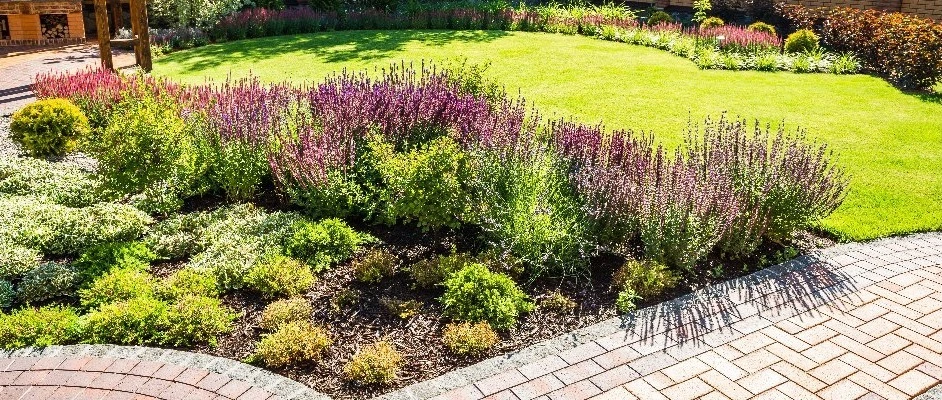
[855, 321]
[861, 320]
[19, 66]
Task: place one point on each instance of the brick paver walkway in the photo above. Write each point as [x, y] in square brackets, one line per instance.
[857, 321]
[18, 69]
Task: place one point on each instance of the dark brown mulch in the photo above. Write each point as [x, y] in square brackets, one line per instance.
[418, 338]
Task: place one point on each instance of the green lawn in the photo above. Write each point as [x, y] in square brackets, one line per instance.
[890, 142]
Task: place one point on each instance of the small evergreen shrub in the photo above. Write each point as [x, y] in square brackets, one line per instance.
[375, 266]
[7, 294]
[293, 343]
[137, 321]
[45, 282]
[39, 327]
[118, 285]
[476, 294]
[645, 278]
[280, 276]
[404, 309]
[625, 303]
[801, 41]
[659, 17]
[297, 309]
[432, 272]
[324, 243]
[179, 236]
[188, 282]
[16, 260]
[344, 299]
[466, 338]
[760, 26]
[99, 260]
[196, 320]
[48, 127]
[377, 364]
[558, 302]
[712, 22]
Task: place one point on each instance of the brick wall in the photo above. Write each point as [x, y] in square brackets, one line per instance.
[25, 29]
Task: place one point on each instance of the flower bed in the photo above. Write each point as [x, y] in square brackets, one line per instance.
[368, 232]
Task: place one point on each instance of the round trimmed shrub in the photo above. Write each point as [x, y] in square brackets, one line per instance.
[279, 276]
[293, 343]
[286, 311]
[197, 319]
[476, 294]
[118, 285]
[802, 41]
[712, 22]
[467, 338]
[140, 321]
[7, 294]
[760, 26]
[324, 243]
[40, 327]
[659, 17]
[189, 282]
[49, 128]
[378, 364]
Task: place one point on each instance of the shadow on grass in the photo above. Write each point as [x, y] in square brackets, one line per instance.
[742, 305]
[333, 47]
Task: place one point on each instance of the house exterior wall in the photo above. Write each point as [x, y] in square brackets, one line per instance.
[25, 29]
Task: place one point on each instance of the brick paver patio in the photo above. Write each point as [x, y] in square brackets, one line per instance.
[857, 321]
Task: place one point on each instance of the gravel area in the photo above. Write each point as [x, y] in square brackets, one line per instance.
[9, 149]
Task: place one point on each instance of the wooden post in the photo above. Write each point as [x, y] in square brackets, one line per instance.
[117, 22]
[104, 34]
[142, 33]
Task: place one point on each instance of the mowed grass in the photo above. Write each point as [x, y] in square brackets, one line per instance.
[889, 141]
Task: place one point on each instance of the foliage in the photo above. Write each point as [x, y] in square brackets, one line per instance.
[200, 13]
[50, 127]
[431, 272]
[46, 281]
[7, 294]
[557, 302]
[188, 282]
[625, 302]
[293, 343]
[375, 266]
[428, 185]
[701, 8]
[279, 276]
[476, 294]
[118, 285]
[466, 338]
[658, 18]
[644, 279]
[801, 41]
[16, 260]
[296, 309]
[53, 183]
[403, 309]
[99, 260]
[378, 363]
[56, 229]
[39, 327]
[323, 243]
[904, 48]
[760, 26]
[140, 321]
[712, 22]
[195, 320]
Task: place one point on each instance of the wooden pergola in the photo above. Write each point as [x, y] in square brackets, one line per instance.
[139, 29]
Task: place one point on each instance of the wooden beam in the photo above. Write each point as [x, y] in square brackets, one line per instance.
[104, 34]
[142, 33]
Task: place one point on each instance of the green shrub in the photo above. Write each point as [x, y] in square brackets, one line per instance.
[466, 338]
[767, 62]
[293, 343]
[625, 303]
[7, 294]
[39, 327]
[238, 168]
[148, 148]
[138, 321]
[16, 260]
[99, 260]
[659, 17]
[230, 259]
[404, 309]
[476, 294]
[428, 273]
[57, 229]
[179, 236]
[344, 299]
[48, 127]
[712, 22]
[378, 363]
[279, 276]
[845, 63]
[118, 285]
[644, 278]
[281, 312]
[375, 266]
[196, 320]
[52, 183]
[558, 302]
[324, 243]
[338, 196]
[760, 26]
[188, 282]
[427, 185]
[45, 282]
[802, 41]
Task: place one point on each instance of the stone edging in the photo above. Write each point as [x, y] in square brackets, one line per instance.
[843, 280]
[258, 377]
